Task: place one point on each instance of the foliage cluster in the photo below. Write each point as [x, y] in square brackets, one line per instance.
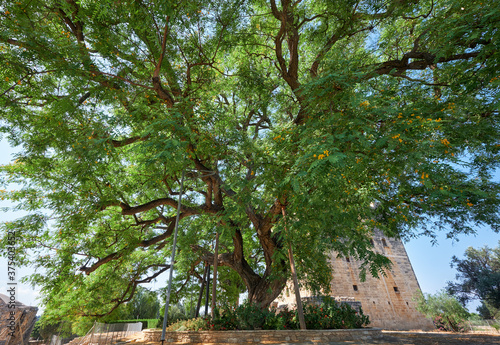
[248, 316]
[143, 306]
[330, 315]
[478, 277]
[445, 311]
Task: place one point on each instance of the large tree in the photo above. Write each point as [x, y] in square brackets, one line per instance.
[478, 278]
[302, 122]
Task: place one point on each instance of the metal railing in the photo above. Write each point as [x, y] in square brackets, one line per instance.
[487, 326]
[104, 334]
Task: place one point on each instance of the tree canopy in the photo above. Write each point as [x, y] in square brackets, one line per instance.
[478, 278]
[303, 122]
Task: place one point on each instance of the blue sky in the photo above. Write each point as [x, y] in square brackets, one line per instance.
[431, 263]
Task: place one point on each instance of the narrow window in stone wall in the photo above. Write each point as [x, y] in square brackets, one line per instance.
[347, 260]
[355, 287]
[384, 243]
[396, 289]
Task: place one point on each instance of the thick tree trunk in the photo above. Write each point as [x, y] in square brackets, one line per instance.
[265, 291]
[262, 290]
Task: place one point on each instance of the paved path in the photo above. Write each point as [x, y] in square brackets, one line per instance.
[435, 338]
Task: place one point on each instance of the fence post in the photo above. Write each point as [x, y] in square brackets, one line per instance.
[172, 260]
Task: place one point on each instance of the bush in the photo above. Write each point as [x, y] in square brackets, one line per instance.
[287, 319]
[443, 323]
[331, 315]
[328, 315]
[245, 317]
[445, 311]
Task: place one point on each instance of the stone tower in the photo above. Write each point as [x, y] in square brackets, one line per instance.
[388, 300]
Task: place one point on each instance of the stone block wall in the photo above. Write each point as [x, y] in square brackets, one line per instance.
[263, 337]
[388, 300]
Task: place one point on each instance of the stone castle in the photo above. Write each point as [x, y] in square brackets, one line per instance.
[387, 300]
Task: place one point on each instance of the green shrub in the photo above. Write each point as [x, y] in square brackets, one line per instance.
[331, 315]
[328, 315]
[444, 323]
[224, 320]
[445, 310]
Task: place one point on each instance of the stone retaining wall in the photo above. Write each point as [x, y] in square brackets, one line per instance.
[17, 319]
[267, 337]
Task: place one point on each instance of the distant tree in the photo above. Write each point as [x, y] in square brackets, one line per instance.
[486, 311]
[176, 312]
[45, 328]
[478, 277]
[445, 310]
[144, 304]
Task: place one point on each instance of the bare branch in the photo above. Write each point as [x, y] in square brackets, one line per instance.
[422, 61]
[128, 210]
[128, 141]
